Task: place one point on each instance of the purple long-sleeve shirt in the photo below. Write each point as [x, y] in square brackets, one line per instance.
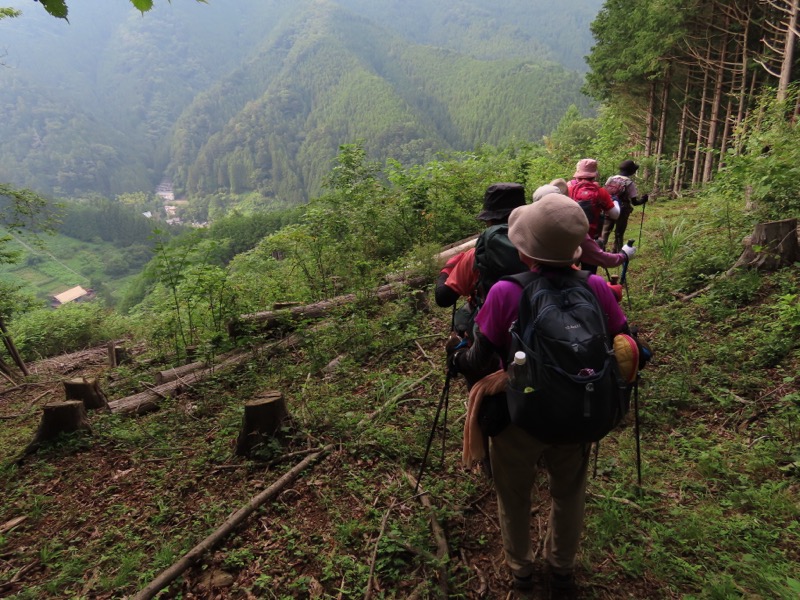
[593, 254]
[502, 304]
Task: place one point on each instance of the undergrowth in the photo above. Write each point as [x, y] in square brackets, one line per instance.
[716, 515]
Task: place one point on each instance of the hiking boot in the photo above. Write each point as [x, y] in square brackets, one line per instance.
[562, 586]
[523, 584]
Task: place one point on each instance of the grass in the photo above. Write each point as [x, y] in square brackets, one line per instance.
[59, 263]
[716, 518]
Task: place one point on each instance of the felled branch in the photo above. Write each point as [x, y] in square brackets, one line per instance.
[442, 552]
[172, 573]
[148, 400]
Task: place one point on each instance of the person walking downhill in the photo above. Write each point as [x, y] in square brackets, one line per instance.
[548, 235]
[623, 189]
[591, 252]
[595, 201]
[472, 273]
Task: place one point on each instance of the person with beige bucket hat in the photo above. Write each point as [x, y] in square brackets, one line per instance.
[548, 235]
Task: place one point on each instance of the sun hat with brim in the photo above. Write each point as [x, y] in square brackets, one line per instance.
[500, 199]
[628, 167]
[626, 351]
[586, 168]
[543, 190]
[549, 231]
[562, 185]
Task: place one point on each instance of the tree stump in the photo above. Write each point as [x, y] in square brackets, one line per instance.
[117, 355]
[773, 245]
[58, 418]
[263, 417]
[191, 353]
[87, 391]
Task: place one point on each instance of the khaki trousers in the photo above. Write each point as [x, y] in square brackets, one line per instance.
[514, 456]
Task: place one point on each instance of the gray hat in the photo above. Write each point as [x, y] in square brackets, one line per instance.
[549, 231]
[543, 190]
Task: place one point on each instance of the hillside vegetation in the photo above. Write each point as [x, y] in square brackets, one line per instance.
[716, 517]
[101, 513]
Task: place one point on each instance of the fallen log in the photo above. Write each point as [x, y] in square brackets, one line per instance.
[172, 573]
[149, 399]
[457, 248]
[175, 373]
[271, 319]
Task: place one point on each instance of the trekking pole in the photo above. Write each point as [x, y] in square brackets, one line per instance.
[641, 225]
[636, 433]
[442, 401]
[596, 453]
[623, 278]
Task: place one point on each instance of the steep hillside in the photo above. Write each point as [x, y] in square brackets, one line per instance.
[491, 29]
[330, 79]
[178, 85]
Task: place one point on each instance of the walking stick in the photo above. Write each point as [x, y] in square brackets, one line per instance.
[443, 401]
[623, 278]
[636, 433]
[641, 225]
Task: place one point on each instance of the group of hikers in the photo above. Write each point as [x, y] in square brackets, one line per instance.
[545, 349]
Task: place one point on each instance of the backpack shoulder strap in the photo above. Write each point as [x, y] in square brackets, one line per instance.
[523, 280]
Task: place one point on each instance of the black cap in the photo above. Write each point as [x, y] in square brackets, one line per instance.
[500, 199]
[628, 167]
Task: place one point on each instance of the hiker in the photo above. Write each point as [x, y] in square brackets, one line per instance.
[595, 201]
[622, 188]
[548, 235]
[471, 274]
[592, 254]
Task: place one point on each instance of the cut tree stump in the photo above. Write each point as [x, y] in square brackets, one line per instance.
[86, 390]
[117, 355]
[58, 418]
[263, 418]
[773, 245]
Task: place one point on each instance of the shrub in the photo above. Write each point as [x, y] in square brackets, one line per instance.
[47, 332]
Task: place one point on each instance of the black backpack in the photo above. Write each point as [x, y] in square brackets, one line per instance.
[495, 257]
[570, 390]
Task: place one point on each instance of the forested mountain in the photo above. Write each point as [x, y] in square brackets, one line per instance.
[685, 76]
[331, 78]
[263, 92]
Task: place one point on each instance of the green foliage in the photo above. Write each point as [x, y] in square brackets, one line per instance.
[410, 102]
[191, 301]
[781, 332]
[46, 332]
[572, 138]
[766, 170]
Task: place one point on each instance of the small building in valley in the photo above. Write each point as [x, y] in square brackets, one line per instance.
[76, 294]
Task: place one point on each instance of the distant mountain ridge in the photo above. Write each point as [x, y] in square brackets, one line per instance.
[260, 95]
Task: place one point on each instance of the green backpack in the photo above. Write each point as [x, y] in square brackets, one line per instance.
[495, 257]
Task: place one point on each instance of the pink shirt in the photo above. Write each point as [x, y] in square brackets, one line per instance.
[502, 303]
